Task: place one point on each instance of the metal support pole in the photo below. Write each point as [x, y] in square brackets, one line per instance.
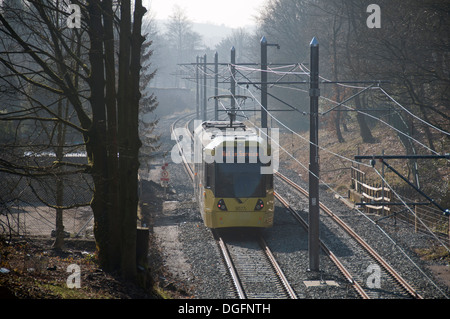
[197, 98]
[384, 157]
[432, 201]
[216, 86]
[382, 186]
[314, 93]
[233, 85]
[204, 88]
[264, 82]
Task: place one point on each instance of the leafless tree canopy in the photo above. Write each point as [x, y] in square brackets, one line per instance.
[74, 92]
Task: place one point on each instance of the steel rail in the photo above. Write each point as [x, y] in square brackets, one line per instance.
[277, 268]
[223, 248]
[186, 165]
[327, 251]
[361, 241]
[226, 256]
[229, 262]
[237, 282]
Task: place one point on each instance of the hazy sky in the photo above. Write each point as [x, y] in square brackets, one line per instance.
[232, 13]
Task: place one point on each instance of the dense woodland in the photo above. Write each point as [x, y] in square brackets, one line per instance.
[86, 89]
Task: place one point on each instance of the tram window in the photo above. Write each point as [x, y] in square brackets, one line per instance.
[269, 181]
[209, 175]
[239, 180]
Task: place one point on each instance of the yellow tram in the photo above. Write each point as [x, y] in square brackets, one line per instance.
[233, 178]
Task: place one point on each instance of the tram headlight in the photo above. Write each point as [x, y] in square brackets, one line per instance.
[259, 205]
[221, 205]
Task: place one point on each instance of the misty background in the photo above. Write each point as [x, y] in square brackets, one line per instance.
[410, 52]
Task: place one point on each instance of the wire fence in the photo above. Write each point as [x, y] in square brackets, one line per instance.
[39, 221]
[424, 217]
[29, 205]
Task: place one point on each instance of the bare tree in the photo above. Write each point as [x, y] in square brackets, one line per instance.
[411, 50]
[242, 41]
[105, 102]
[182, 40]
[148, 102]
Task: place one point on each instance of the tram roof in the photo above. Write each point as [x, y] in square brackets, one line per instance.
[224, 125]
[241, 133]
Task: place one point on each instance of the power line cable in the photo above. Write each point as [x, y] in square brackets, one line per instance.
[358, 211]
[410, 209]
[303, 166]
[369, 115]
[303, 138]
[393, 100]
[413, 115]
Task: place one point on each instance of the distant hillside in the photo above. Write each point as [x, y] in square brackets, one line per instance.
[212, 33]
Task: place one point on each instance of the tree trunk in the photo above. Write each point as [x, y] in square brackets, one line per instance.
[128, 228]
[427, 129]
[110, 127]
[337, 119]
[128, 131]
[364, 129]
[115, 134]
[337, 123]
[107, 241]
[59, 225]
[111, 110]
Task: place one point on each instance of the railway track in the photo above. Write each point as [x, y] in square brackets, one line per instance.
[353, 272]
[254, 271]
[188, 167]
[359, 289]
[252, 267]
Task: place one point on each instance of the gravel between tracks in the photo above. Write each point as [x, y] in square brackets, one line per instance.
[187, 251]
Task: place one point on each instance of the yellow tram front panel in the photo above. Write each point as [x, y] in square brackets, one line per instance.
[231, 187]
[237, 214]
